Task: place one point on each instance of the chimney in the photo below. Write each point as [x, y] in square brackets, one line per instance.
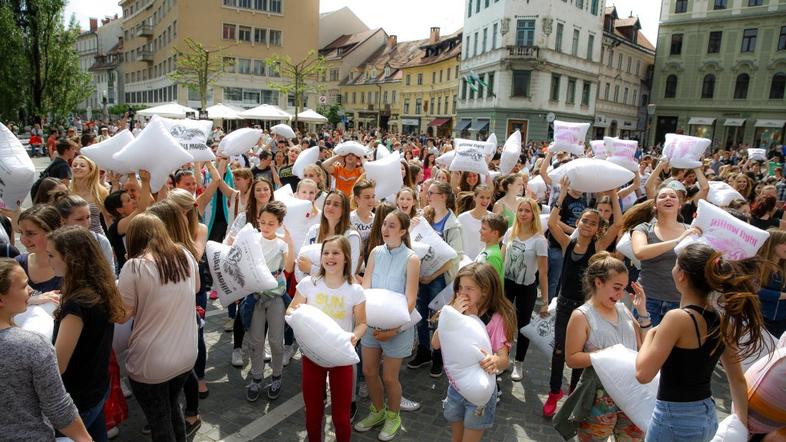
[392, 42]
[434, 35]
[105, 21]
[93, 24]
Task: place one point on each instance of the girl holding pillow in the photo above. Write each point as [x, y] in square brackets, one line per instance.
[317, 174]
[334, 221]
[86, 184]
[261, 193]
[470, 220]
[307, 189]
[331, 290]
[387, 263]
[478, 291]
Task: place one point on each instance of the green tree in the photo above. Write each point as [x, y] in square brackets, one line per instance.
[199, 67]
[300, 79]
[331, 113]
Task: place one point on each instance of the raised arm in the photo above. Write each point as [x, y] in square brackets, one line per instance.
[554, 217]
[614, 228]
[544, 169]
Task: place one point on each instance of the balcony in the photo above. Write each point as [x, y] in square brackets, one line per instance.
[144, 30]
[523, 52]
[145, 56]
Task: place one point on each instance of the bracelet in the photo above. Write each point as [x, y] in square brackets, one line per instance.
[646, 326]
[644, 317]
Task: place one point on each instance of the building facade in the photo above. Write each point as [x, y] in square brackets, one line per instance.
[247, 32]
[343, 54]
[528, 63]
[627, 59]
[97, 49]
[720, 72]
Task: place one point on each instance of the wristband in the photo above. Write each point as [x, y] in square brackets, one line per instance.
[646, 326]
[644, 317]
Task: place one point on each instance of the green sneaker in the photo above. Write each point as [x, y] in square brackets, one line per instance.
[373, 419]
[392, 425]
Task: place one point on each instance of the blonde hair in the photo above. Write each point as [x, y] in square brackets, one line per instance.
[183, 199]
[90, 184]
[534, 226]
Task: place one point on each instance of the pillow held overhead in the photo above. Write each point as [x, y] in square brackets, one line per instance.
[102, 153]
[684, 152]
[308, 156]
[446, 158]
[599, 149]
[284, 130]
[592, 175]
[491, 147]
[622, 152]
[239, 141]
[350, 147]
[192, 135]
[17, 171]
[511, 152]
[386, 174]
[569, 137]
[757, 154]
[469, 157]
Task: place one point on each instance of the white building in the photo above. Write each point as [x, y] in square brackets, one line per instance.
[539, 61]
[98, 55]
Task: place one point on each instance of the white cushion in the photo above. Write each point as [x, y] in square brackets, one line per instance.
[314, 254]
[386, 174]
[283, 192]
[537, 186]
[734, 238]
[241, 269]
[239, 141]
[382, 151]
[298, 218]
[491, 147]
[446, 158]
[102, 153]
[304, 158]
[321, 339]
[192, 135]
[432, 250]
[120, 339]
[469, 157]
[616, 369]
[622, 152]
[599, 149]
[414, 318]
[625, 247]
[757, 154]
[386, 309]
[722, 194]
[592, 175]
[284, 130]
[684, 152]
[350, 147]
[767, 392]
[731, 429]
[569, 137]
[540, 331]
[17, 171]
[38, 318]
[461, 338]
[511, 153]
[155, 151]
[444, 297]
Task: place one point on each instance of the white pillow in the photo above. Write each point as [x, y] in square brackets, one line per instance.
[314, 254]
[461, 338]
[120, 339]
[625, 246]
[38, 318]
[192, 135]
[722, 194]
[629, 200]
[616, 369]
[511, 153]
[599, 149]
[622, 152]
[540, 331]
[155, 151]
[731, 429]
[544, 222]
[469, 157]
[102, 153]
[491, 147]
[767, 392]
[537, 186]
[308, 156]
[569, 137]
[321, 339]
[283, 192]
[437, 251]
[734, 238]
[298, 218]
[386, 309]
[446, 158]
[446, 295]
[382, 151]
[239, 141]
[386, 174]
[414, 318]
[350, 147]
[592, 175]
[241, 269]
[757, 154]
[284, 130]
[17, 171]
[684, 152]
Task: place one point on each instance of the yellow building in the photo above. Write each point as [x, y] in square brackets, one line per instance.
[251, 30]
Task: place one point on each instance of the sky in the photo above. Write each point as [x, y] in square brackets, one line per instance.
[396, 17]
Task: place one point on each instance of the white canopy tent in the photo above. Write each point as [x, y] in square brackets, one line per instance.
[170, 110]
[222, 111]
[265, 112]
[311, 116]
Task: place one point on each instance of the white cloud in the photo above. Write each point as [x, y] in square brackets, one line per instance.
[83, 10]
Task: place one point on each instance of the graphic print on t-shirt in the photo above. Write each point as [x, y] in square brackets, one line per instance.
[333, 306]
[516, 267]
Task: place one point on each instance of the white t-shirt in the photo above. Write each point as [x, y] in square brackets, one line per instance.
[470, 234]
[521, 258]
[354, 244]
[274, 251]
[336, 303]
[364, 229]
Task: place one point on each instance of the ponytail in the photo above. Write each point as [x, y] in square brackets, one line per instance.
[602, 265]
[640, 213]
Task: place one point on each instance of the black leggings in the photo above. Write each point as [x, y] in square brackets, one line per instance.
[238, 331]
[523, 297]
[565, 307]
[162, 410]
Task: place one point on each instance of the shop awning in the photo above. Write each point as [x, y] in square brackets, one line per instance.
[437, 122]
[462, 125]
[480, 125]
[734, 122]
[777, 124]
[700, 121]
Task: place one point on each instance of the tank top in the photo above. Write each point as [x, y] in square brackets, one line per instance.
[604, 334]
[686, 374]
[573, 268]
[95, 219]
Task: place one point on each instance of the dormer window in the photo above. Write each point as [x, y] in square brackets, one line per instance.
[387, 71]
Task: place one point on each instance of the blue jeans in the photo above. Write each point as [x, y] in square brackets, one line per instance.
[426, 294]
[555, 270]
[657, 309]
[683, 421]
[94, 420]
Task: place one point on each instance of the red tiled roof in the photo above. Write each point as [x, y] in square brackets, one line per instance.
[347, 41]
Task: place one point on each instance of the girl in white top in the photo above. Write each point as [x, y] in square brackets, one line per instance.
[307, 190]
[470, 221]
[260, 194]
[334, 221]
[243, 179]
[362, 218]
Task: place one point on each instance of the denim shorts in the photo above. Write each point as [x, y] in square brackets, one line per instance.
[399, 346]
[683, 421]
[457, 409]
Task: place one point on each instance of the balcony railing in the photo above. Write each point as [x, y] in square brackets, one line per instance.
[145, 56]
[524, 52]
[144, 30]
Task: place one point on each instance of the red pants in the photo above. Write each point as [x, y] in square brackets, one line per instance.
[314, 398]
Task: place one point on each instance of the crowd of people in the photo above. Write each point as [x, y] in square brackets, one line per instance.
[112, 252]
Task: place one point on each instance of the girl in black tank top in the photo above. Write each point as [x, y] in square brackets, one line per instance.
[688, 343]
[577, 253]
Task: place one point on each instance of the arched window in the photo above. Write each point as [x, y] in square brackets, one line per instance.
[741, 86]
[778, 86]
[708, 86]
[671, 86]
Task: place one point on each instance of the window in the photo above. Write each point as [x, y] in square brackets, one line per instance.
[590, 46]
[477, 6]
[611, 57]
[233, 94]
[466, 49]
[494, 36]
[226, 3]
[594, 7]
[616, 93]
[419, 102]
[741, 87]
[406, 106]
[334, 75]
[229, 65]
[433, 77]
[521, 83]
[619, 62]
[719, 4]
[749, 40]
[244, 33]
[469, 8]
[525, 32]
[362, 98]
[571, 98]
[487, 3]
[782, 39]
[463, 88]
[628, 69]
[554, 96]
[625, 96]
[260, 36]
[585, 94]
[580, 4]
[671, 86]
[575, 48]
[708, 86]
[676, 44]
[485, 39]
[243, 66]
[408, 80]
[606, 93]
[439, 106]
[638, 66]
[681, 6]
[385, 97]
[441, 75]
[778, 86]
[558, 42]
[259, 67]
[275, 6]
[260, 5]
[229, 32]
[482, 79]
[244, 3]
[354, 97]
[755, 2]
[394, 96]
[420, 79]
[475, 51]
[431, 107]
[489, 83]
[714, 43]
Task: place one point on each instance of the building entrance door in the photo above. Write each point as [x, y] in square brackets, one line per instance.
[521, 125]
[664, 125]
